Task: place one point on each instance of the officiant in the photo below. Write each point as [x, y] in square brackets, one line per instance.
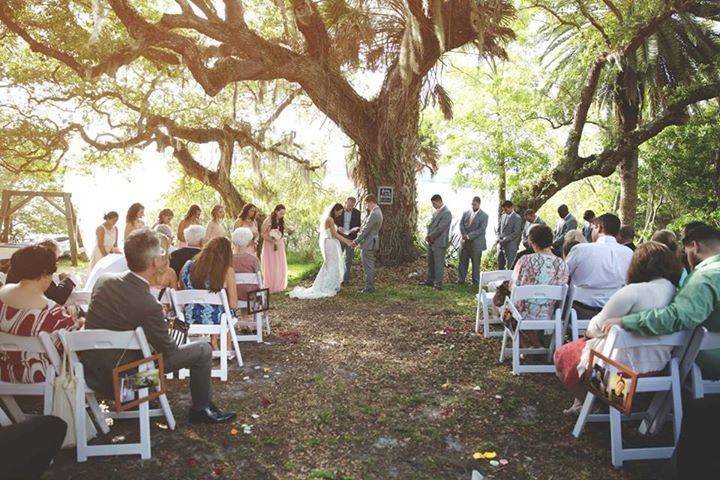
[348, 226]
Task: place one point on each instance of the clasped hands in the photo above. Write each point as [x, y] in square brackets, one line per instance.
[611, 322]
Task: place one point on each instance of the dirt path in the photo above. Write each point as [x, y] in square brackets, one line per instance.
[393, 385]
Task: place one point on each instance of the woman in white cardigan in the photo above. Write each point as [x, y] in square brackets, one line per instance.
[652, 280]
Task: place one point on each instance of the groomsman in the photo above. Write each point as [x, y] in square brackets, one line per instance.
[438, 233]
[472, 229]
[508, 235]
[531, 219]
[348, 226]
[565, 224]
[589, 217]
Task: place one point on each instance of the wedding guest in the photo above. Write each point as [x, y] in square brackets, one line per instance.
[192, 217]
[652, 279]
[473, 225]
[274, 262]
[194, 236]
[669, 239]
[165, 277]
[123, 302]
[689, 226]
[589, 217]
[134, 219]
[107, 238]
[565, 223]
[509, 233]
[626, 236]
[25, 311]
[58, 291]
[602, 264]
[438, 234]
[348, 226]
[163, 224]
[215, 227]
[210, 270]
[697, 302]
[531, 219]
[243, 261]
[28, 447]
[572, 238]
[539, 268]
[248, 218]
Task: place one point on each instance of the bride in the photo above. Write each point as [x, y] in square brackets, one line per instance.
[327, 282]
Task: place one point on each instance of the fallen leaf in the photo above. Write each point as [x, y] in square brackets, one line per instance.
[234, 431]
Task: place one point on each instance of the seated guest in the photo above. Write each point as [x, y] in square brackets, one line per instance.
[565, 224]
[28, 447]
[626, 236]
[244, 262]
[165, 276]
[25, 311]
[652, 279]
[123, 302]
[669, 239]
[194, 236]
[697, 302]
[210, 270]
[602, 264]
[531, 219]
[58, 292]
[572, 238]
[589, 217]
[163, 224]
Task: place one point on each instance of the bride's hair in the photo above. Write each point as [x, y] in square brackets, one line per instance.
[334, 209]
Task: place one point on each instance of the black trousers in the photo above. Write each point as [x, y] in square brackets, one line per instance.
[27, 448]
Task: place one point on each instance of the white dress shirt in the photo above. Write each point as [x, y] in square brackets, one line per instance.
[347, 218]
[603, 264]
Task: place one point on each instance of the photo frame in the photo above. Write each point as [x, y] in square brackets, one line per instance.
[385, 195]
[612, 382]
[128, 381]
[258, 301]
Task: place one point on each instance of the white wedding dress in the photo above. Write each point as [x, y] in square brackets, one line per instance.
[328, 280]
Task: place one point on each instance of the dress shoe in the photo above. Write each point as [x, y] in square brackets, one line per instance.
[210, 414]
[425, 284]
[367, 290]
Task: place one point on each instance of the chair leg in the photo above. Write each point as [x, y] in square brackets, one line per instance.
[502, 347]
[677, 408]
[167, 411]
[4, 419]
[236, 346]
[486, 320]
[616, 446]
[224, 352]
[144, 417]
[259, 327]
[80, 419]
[516, 353]
[97, 413]
[477, 316]
[266, 314]
[13, 408]
[584, 412]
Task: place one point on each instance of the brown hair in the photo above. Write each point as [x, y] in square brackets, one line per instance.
[31, 263]
[541, 235]
[667, 238]
[192, 211]
[215, 210]
[370, 198]
[210, 265]
[246, 211]
[653, 260]
[275, 222]
[134, 212]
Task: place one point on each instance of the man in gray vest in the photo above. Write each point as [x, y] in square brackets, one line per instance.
[369, 241]
[438, 233]
[509, 232]
[472, 229]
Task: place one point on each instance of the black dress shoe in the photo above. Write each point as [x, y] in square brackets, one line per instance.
[210, 414]
[425, 284]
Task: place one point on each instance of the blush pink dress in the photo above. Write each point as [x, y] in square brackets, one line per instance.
[274, 262]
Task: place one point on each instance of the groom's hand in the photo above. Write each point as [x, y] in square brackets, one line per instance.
[354, 244]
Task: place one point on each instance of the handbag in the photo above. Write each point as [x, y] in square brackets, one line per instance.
[64, 403]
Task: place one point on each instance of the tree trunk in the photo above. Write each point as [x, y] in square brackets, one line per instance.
[628, 170]
[627, 101]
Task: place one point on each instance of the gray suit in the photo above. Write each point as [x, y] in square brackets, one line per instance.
[509, 239]
[438, 233]
[472, 248]
[369, 241]
[123, 302]
[569, 224]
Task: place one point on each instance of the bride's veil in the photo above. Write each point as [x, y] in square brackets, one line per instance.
[322, 231]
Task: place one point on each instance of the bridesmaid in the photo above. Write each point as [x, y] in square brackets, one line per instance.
[107, 238]
[215, 227]
[248, 219]
[134, 219]
[163, 224]
[192, 217]
[274, 262]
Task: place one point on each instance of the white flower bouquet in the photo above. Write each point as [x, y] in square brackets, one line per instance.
[276, 235]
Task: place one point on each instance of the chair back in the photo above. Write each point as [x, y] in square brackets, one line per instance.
[248, 279]
[494, 276]
[180, 298]
[711, 341]
[3, 277]
[80, 341]
[599, 295]
[41, 344]
[79, 297]
[156, 293]
[620, 338]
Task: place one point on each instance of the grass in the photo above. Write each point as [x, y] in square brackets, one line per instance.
[299, 270]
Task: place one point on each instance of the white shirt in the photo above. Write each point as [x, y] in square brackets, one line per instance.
[603, 264]
[347, 218]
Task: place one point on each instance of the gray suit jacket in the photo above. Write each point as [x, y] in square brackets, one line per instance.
[122, 302]
[509, 231]
[569, 224]
[476, 230]
[439, 228]
[526, 230]
[369, 236]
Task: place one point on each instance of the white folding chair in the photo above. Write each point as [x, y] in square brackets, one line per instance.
[81, 298]
[485, 301]
[667, 394]
[180, 298]
[578, 326]
[698, 385]
[80, 341]
[40, 345]
[3, 277]
[165, 299]
[257, 323]
[553, 325]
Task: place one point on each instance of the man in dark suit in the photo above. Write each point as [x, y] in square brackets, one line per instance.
[473, 225]
[194, 236]
[348, 226]
[58, 291]
[123, 302]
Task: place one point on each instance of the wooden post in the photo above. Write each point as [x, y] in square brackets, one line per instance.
[5, 217]
[72, 233]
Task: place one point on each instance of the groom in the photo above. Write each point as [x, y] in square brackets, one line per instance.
[369, 241]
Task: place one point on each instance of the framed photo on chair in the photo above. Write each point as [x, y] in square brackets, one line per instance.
[258, 301]
[128, 381]
[611, 381]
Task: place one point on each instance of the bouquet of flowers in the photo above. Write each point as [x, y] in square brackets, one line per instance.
[276, 235]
